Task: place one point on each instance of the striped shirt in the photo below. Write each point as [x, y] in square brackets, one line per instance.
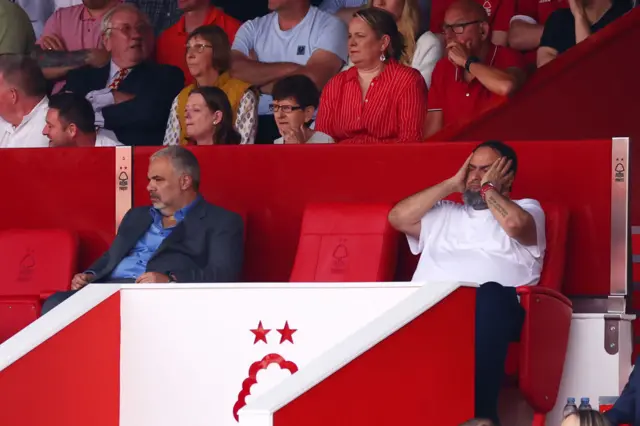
[393, 110]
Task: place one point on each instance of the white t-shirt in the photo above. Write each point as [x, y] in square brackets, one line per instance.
[317, 137]
[106, 138]
[428, 52]
[318, 30]
[28, 134]
[459, 243]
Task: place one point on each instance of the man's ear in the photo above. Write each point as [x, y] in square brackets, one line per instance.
[485, 30]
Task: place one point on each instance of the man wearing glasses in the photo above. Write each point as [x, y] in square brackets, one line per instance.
[131, 96]
[475, 74]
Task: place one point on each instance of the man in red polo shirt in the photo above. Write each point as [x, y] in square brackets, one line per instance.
[171, 44]
[499, 14]
[475, 74]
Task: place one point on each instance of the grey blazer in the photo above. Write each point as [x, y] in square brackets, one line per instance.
[207, 246]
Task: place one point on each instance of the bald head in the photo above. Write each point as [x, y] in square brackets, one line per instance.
[470, 9]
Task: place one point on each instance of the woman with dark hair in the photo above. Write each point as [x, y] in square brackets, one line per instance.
[585, 418]
[208, 58]
[208, 118]
[378, 100]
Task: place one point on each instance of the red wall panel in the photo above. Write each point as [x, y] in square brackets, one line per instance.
[272, 184]
[72, 379]
[589, 92]
[61, 188]
[401, 380]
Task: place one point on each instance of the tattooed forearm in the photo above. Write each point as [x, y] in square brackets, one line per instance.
[56, 59]
[496, 205]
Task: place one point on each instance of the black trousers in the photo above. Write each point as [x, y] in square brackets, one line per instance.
[57, 298]
[499, 320]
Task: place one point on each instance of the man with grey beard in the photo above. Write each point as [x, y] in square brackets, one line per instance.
[491, 240]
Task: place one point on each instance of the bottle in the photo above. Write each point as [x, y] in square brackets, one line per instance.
[570, 408]
[584, 404]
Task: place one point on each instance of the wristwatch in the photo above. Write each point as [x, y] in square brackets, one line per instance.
[470, 60]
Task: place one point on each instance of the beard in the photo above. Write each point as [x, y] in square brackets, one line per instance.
[474, 199]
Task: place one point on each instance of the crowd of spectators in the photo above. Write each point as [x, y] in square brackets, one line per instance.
[385, 70]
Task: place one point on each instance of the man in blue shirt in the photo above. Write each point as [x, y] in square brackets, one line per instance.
[182, 238]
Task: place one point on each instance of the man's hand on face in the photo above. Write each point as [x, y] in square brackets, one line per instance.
[458, 53]
[80, 280]
[458, 182]
[152, 277]
[498, 174]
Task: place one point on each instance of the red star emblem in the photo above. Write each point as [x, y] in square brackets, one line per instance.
[260, 333]
[286, 333]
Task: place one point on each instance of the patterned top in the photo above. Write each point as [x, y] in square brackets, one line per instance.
[246, 120]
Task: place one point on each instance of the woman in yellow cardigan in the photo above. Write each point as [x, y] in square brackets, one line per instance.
[208, 58]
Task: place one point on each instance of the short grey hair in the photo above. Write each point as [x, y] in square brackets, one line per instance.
[24, 73]
[105, 26]
[183, 160]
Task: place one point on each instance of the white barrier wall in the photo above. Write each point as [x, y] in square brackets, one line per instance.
[194, 355]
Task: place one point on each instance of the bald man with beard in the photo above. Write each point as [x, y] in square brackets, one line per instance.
[474, 74]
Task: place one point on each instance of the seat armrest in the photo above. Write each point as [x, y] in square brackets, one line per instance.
[535, 290]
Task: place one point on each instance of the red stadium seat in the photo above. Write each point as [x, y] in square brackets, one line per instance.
[346, 243]
[536, 363]
[35, 264]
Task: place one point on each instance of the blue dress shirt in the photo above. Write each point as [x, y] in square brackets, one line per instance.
[135, 264]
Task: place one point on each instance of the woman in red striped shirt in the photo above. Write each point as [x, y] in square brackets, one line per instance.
[378, 100]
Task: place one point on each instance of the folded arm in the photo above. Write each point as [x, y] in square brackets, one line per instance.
[525, 35]
[501, 82]
[147, 109]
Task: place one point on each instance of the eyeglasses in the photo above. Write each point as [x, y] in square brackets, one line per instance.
[459, 28]
[127, 30]
[284, 108]
[199, 47]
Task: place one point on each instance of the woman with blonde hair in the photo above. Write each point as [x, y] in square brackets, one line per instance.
[422, 52]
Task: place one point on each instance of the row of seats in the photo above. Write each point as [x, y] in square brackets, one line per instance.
[338, 243]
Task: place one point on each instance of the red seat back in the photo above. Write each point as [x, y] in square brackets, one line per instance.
[35, 263]
[346, 243]
[557, 230]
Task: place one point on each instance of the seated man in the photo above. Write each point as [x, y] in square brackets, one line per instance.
[475, 74]
[131, 96]
[296, 38]
[72, 38]
[182, 238]
[490, 240]
[70, 123]
[295, 100]
[23, 103]
[567, 27]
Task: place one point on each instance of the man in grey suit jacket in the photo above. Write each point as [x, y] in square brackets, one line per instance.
[182, 238]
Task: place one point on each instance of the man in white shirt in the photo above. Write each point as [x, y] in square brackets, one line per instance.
[295, 38]
[70, 123]
[491, 240]
[23, 103]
